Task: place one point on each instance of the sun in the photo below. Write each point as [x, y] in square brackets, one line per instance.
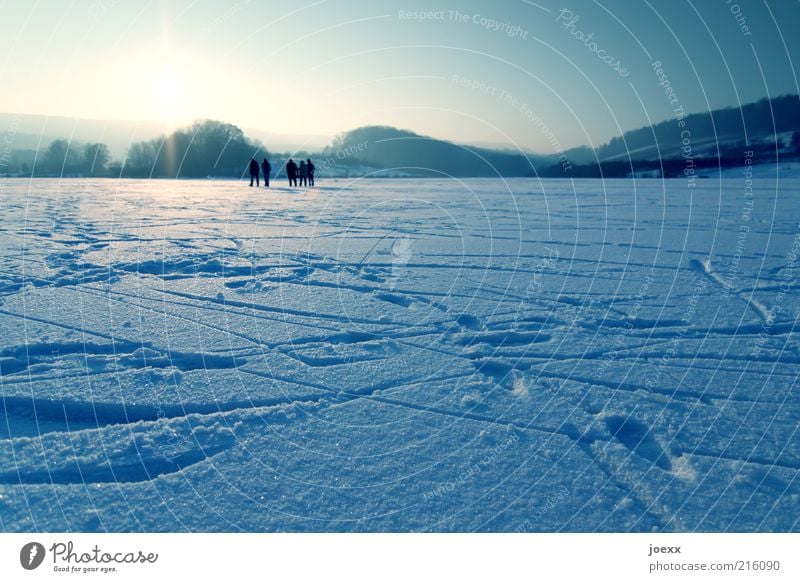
[167, 91]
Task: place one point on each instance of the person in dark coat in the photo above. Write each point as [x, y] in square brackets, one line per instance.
[303, 173]
[266, 169]
[253, 172]
[291, 172]
[310, 169]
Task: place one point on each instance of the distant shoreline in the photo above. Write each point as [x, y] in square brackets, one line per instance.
[707, 173]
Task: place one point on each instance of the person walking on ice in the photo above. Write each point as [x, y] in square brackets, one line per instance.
[266, 169]
[303, 174]
[310, 169]
[253, 172]
[291, 172]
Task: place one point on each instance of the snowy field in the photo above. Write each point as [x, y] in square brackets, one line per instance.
[389, 355]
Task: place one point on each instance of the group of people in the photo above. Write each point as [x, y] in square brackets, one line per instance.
[305, 172]
[266, 167]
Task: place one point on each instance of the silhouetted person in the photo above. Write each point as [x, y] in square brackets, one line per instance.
[266, 169]
[253, 172]
[291, 172]
[303, 173]
[310, 168]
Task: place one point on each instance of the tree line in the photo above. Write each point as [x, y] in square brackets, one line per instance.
[60, 158]
[205, 149]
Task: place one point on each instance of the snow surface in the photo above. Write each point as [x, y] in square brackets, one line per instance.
[400, 355]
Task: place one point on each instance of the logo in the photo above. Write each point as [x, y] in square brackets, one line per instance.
[31, 555]
[401, 255]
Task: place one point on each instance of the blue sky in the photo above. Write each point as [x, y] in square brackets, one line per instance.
[505, 72]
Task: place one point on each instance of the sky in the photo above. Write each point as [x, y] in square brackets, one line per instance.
[531, 75]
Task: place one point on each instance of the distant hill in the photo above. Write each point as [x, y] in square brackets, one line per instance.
[769, 127]
[405, 152]
[710, 134]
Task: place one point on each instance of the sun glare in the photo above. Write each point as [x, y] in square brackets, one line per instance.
[168, 95]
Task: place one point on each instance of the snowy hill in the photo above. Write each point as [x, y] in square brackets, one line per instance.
[710, 133]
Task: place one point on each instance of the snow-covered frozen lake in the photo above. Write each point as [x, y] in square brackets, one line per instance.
[400, 355]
